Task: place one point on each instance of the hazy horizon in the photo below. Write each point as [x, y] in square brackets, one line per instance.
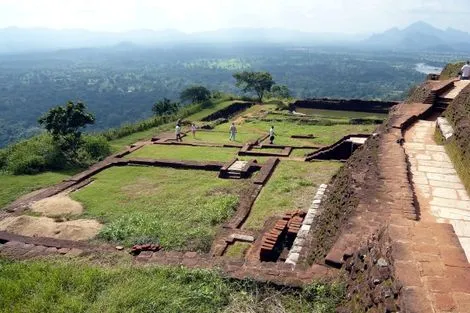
[313, 16]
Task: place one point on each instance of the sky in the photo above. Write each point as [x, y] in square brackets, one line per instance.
[338, 16]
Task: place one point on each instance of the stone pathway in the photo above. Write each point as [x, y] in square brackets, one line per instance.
[441, 194]
[454, 92]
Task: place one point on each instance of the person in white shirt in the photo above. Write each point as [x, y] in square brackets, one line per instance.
[271, 135]
[178, 132]
[465, 71]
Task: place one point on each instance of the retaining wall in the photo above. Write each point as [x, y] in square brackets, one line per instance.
[344, 105]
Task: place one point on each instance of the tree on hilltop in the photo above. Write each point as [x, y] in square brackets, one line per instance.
[258, 82]
[195, 94]
[64, 124]
[165, 107]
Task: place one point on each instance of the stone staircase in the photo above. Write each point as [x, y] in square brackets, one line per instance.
[235, 171]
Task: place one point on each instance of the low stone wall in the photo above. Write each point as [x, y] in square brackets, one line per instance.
[343, 105]
[228, 112]
[340, 150]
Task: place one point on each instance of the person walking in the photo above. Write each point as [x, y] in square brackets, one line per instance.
[178, 132]
[465, 72]
[193, 130]
[233, 132]
[271, 135]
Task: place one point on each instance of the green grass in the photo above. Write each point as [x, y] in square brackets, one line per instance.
[220, 137]
[185, 153]
[14, 186]
[121, 143]
[180, 208]
[77, 286]
[292, 186]
[326, 135]
[300, 153]
[451, 70]
[461, 163]
[237, 249]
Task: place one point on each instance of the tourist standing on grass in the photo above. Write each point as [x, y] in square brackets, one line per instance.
[178, 132]
[233, 132]
[193, 130]
[465, 72]
[271, 135]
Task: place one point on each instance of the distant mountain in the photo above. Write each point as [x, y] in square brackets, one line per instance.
[14, 39]
[420, 36]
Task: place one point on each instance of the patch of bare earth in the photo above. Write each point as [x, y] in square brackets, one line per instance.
[32, 226]
[56, 206]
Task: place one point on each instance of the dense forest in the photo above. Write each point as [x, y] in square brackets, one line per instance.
[119, 84]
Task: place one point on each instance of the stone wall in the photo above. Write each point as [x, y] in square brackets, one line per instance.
[344, 105]
[458, 114]
[371, 286]
[228, 112]
[342, 198]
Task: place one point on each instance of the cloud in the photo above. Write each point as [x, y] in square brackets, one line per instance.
[346, 16]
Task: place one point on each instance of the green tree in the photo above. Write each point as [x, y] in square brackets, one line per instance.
[195, 94]
[280, 91]
[165, 107]
[64, 124]
[258, 82]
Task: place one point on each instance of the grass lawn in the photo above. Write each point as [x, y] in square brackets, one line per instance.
[220, 137]
[292, 186]
[237, 250]
[121, 143]
[179, 208]
[185, 153]
[300, 153]
[14, 186]
[326, 135]
[78, 286]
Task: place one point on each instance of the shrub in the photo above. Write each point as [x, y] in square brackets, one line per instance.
[33, 156]
[96, 147]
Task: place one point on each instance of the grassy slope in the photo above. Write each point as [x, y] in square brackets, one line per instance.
[71, 286]
[203, 113]
[292, 186]
[14, 186]
[451, 70]
[461, 163]
[180, 208]
[185, 153]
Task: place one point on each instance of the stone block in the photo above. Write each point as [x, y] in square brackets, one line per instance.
[242, 237]
[446, 193]
[438, 170]
[308, 221]
[293, 257]
[463, 195]
[444, 302]
[305, 228]
[302, 234]
[295, 249]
